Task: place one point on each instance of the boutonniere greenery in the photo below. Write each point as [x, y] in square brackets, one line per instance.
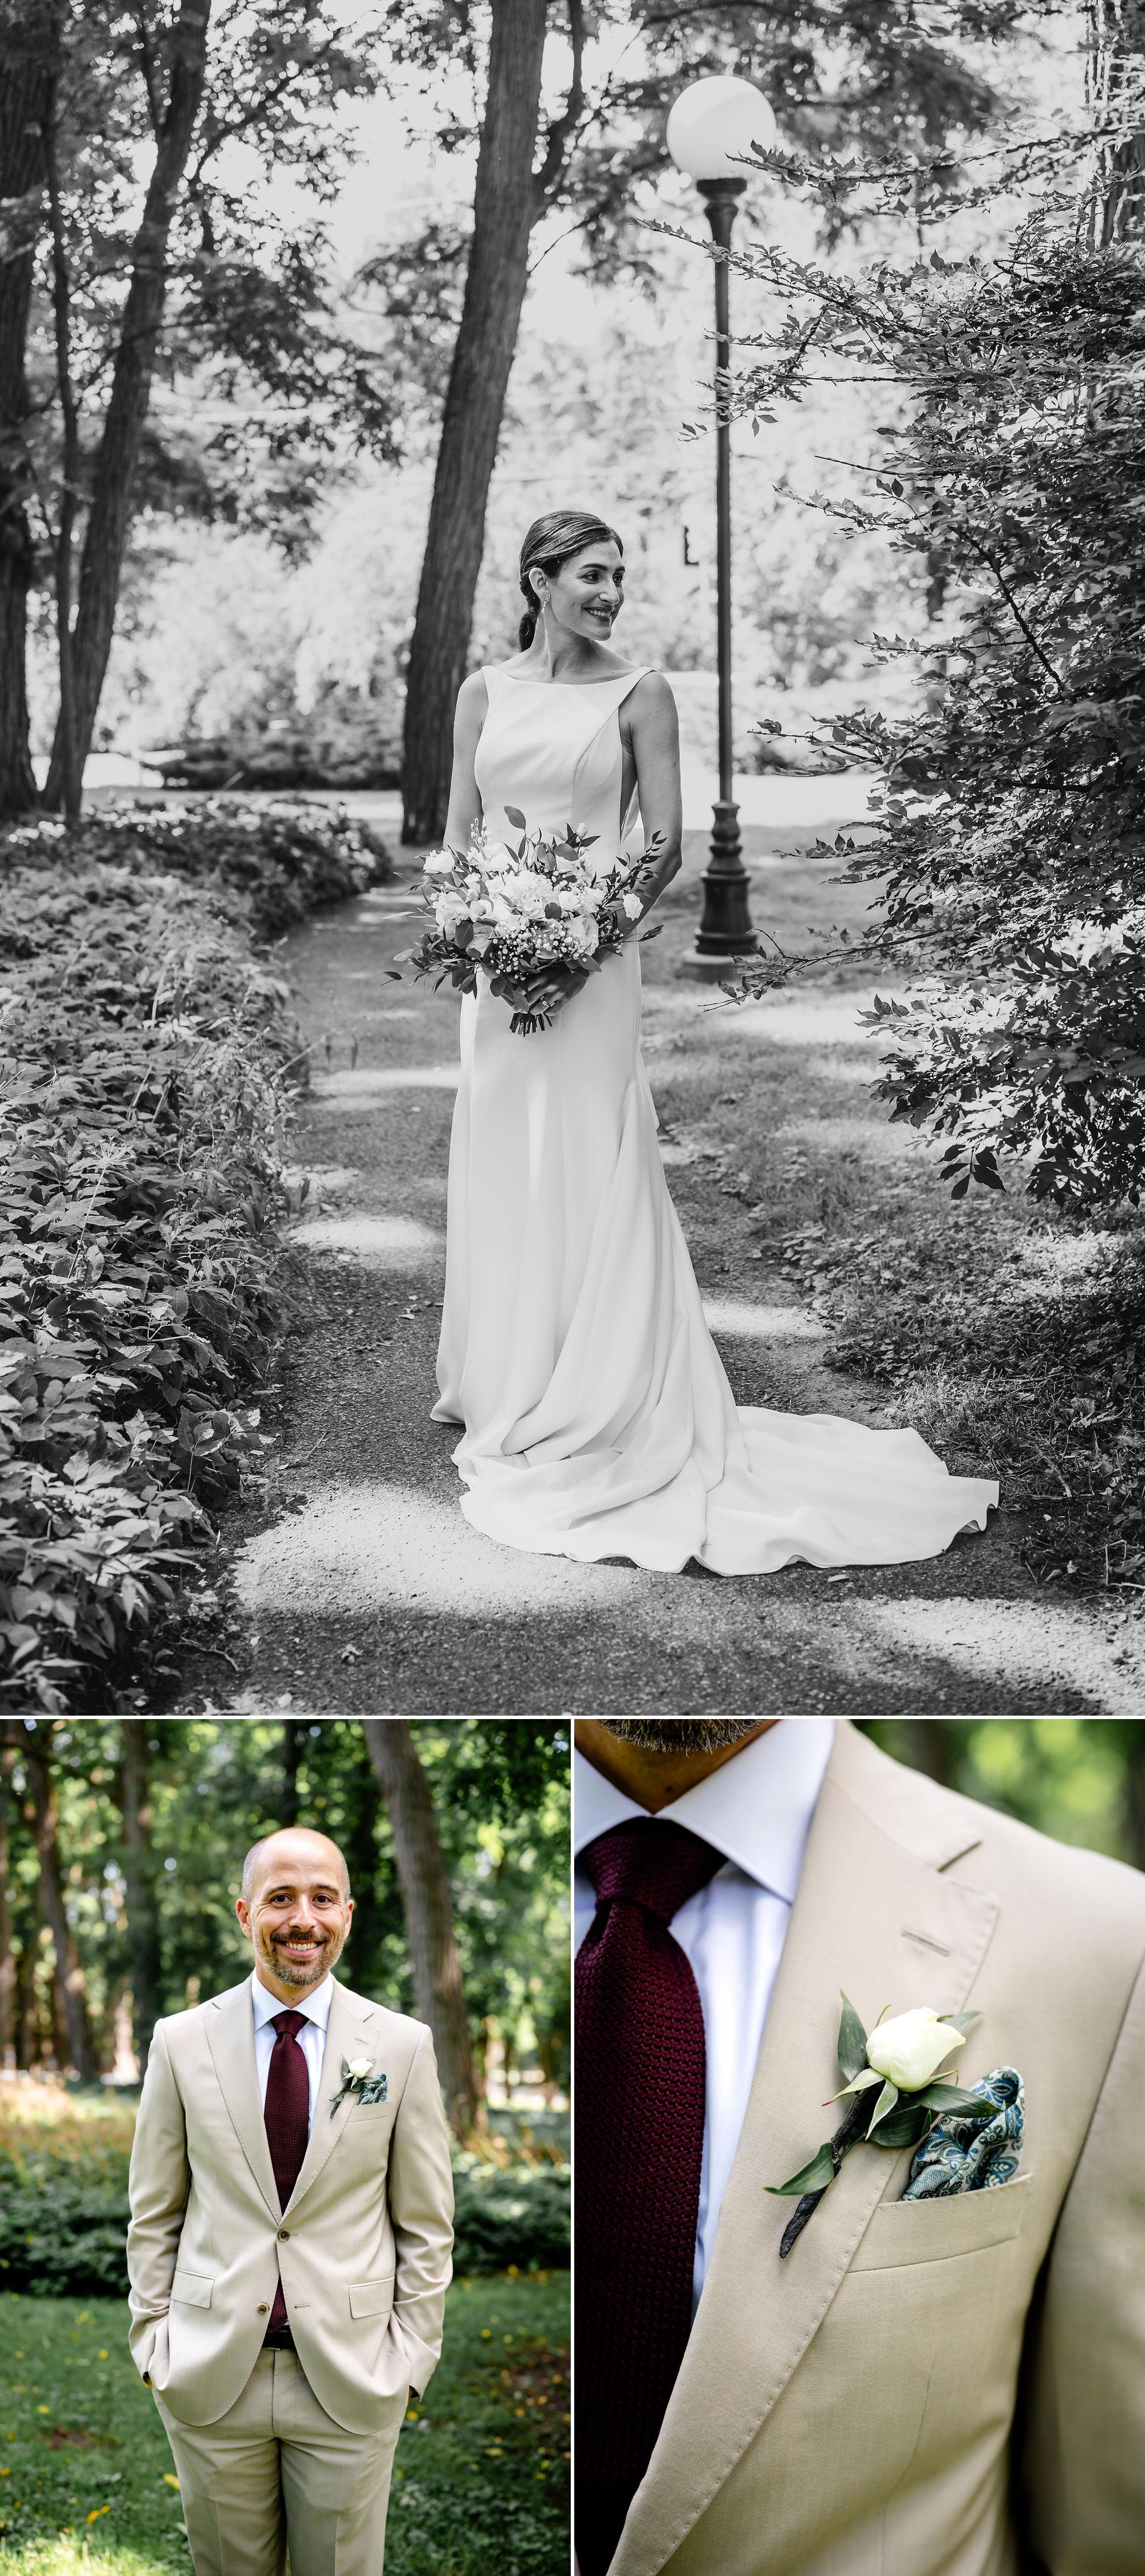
[902, 2058]
[359, 2079]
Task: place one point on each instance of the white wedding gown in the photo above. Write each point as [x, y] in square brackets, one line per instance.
[598, 1421]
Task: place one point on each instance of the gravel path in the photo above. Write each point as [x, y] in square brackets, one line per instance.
[357, 1587]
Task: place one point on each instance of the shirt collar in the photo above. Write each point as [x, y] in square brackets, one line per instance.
[756, 1809]
[315, 2006]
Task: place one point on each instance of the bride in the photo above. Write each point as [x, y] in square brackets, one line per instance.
[597, 1418]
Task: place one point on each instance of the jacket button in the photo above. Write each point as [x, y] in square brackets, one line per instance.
[263, 2308]
[284, 2235]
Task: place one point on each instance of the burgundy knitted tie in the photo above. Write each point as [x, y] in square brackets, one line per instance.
[286, 2112]
[639, 2146]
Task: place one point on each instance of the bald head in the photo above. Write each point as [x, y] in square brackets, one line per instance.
[295, 1908]
[287, 1848]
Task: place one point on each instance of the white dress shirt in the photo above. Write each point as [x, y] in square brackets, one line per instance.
[312, 2041]
[757, 1809]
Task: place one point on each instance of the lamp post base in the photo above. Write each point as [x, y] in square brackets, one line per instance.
[725, 931]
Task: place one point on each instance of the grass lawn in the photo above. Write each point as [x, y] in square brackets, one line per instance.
[481, 2481]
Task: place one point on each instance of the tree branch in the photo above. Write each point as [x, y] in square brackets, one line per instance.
[61, 308]
[1012, 605]
[150, 70]
[562, 132]
[255, 115]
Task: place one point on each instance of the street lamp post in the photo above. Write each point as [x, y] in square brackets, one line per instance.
[710, 131]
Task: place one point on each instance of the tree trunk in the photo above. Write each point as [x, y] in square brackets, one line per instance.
[26, 49]
[113, 481]
[293, 1732]
[1135, 1792]
[68, 1968]
[362, 1861]
[1116, 57]
[143, 1950]
[429, 1913]
[933, 1747]
[26, 2050]
[62, 2049]
[504, 209]
[7, 1954]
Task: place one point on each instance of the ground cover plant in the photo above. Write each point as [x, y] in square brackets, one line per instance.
[64, 2157]
[1010, 1334]
[480, 2483]
[147, 1056]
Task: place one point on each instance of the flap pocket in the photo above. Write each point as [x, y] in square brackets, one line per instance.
[932, 2231]
[372, 2298]
[192, 2289]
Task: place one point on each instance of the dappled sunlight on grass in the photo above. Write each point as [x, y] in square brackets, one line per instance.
[46, 2117]
[480, 2479]
[367, 1082]
[379, 1242]
[806, 1019]
[1013, 1644]
[369, 1546]
[734, 1316]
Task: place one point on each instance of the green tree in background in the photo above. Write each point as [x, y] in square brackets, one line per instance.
[1081, 1779]
[150, 1820]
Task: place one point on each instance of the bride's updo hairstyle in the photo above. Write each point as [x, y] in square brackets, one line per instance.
[551, 542]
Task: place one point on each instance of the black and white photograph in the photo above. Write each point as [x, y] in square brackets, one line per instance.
[572, 1086]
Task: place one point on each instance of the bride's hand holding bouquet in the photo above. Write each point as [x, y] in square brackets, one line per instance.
[539, 917]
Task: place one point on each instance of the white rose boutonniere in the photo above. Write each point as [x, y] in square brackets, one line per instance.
[358, 2078]
[902, 2057]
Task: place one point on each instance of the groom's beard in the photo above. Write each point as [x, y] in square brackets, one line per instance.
[681, 1734]
[303, 1973]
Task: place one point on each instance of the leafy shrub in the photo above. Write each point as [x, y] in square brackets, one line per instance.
[146, 1060]
[66, 2240]
[1012, 817]
[516, 2215]
[287, 859]
[64, 2232]
[347, 740]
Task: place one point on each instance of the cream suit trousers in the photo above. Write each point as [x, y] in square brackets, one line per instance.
[276, 2472]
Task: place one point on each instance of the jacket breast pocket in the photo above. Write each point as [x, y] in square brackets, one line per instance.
[372, 2298]
[192, 2289]
[908, 2232]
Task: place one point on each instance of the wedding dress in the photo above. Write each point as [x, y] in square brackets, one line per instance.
[598, 1421]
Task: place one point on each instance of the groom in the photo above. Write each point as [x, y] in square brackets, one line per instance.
[945, 2386]
[291, 2199]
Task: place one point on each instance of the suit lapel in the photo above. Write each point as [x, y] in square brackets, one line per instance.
[873, 1916]
[349, 2033]
[230, 2037]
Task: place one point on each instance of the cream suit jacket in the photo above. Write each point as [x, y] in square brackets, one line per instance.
[363, 2244]
[939, 2388]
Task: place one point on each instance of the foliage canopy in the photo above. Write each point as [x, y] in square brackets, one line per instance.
[1011, 820]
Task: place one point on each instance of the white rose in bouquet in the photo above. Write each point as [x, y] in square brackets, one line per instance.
[450, 909]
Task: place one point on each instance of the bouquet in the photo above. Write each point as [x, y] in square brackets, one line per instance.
[540, 907]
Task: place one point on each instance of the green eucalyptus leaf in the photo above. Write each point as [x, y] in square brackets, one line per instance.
[905, 2126]
[861, 2084]
[852, 2041]
[885, 2104]
[960, 2021]
[812, 2177]
[953, 2097]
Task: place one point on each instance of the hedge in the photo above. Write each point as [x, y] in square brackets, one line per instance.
[147, 1062]
[64, 2237]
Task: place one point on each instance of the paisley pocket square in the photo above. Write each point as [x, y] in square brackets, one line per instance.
[973, 2150]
